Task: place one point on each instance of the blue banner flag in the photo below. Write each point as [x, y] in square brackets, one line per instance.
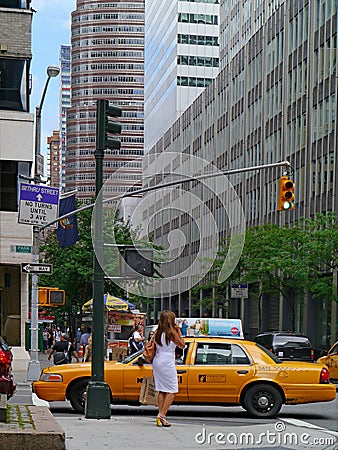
[67, 232]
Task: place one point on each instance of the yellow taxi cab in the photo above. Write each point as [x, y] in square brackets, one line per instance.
[331, 360]
[213, 371]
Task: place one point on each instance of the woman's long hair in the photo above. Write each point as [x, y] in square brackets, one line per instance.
[166, 325]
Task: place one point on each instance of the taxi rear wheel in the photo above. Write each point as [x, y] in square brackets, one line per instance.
[262, 400]
[77, 395]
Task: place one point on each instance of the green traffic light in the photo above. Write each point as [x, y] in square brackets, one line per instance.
[287, 205]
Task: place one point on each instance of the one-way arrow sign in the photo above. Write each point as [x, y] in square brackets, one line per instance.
[46, 269]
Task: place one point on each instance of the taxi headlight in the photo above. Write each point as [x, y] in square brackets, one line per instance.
[56, 377]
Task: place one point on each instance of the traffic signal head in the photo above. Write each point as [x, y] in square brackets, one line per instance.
[56, 297]
[104, 125]
[49, 296]
[134, 262]
[286, 194]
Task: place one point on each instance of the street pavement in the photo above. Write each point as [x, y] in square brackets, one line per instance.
[140, 431]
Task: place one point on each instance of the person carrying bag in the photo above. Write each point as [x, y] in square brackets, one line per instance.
[148, 394]
[63, 351]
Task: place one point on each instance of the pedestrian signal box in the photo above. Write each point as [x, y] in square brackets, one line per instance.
[50, 296]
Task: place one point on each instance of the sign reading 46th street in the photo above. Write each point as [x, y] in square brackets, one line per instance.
[38, 204]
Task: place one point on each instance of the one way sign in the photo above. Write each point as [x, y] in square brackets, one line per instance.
[46, 269]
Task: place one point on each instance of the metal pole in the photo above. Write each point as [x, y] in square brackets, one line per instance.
[98, 394]
[168, 184]
[34, 369]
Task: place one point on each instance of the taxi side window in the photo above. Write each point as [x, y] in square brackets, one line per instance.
[181, 355]
[220, 354]
[334, 350]
[238, 355]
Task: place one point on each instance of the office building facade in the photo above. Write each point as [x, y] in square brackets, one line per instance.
[64, 104]
[107, 62]
[16, 158]
[181, 59]
[54, 158]
[275, 99]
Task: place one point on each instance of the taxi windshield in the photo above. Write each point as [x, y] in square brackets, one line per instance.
[272, 356]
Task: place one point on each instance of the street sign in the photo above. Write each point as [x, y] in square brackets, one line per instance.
[46, 269]
[38, 204]
[239, 291]
[21, 248]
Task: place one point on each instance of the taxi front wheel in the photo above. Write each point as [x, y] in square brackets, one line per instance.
[262, 400]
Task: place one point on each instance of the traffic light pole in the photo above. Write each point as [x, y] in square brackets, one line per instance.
[98, 394]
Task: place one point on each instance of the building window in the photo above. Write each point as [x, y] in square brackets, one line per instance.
[13, 84]
[9, 171]
[14, 3]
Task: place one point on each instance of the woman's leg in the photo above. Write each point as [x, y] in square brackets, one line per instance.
[161, 398]
[168, 399]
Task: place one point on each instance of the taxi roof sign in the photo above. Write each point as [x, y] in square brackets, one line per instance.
[211, 327]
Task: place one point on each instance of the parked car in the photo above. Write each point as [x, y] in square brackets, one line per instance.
[287, 345]
[7, 385]
[218, 371]
[331, 360]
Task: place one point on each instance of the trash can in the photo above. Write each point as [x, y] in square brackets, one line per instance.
[28, 337]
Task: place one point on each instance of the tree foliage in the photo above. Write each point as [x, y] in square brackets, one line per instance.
[73, 266]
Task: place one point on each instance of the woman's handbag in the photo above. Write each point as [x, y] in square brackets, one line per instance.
[149, 351]
[148, 395]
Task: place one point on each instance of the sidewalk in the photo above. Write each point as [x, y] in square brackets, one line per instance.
[139, 431]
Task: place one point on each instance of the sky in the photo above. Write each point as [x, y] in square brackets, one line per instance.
[50, 29]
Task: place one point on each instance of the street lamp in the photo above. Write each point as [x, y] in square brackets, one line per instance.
[34, 369]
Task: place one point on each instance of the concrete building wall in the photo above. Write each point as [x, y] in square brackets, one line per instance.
[16, 157]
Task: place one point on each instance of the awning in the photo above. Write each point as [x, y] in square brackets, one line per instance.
[111, 303]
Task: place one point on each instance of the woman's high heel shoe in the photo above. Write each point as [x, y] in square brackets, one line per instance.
[162, 421]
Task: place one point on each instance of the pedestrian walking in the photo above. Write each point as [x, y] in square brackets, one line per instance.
[88, 351]
[45, 340]
[167, 337]
[84, 339]
[63, 351]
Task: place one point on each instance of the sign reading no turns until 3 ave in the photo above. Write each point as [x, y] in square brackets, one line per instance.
[38, 204]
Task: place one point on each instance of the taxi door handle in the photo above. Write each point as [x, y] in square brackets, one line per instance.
[181, 371]
[242, 372]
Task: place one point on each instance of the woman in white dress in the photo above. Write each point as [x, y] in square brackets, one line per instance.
[167, 337]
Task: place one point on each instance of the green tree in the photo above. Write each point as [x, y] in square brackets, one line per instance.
[73, 266]
[288, 261]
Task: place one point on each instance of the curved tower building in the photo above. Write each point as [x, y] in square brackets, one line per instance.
[107, 54]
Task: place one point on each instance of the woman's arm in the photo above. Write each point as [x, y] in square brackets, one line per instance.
[178, 340]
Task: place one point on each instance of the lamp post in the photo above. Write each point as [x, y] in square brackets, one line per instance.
[33, 371]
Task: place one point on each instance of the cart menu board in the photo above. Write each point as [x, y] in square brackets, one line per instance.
[119, 321]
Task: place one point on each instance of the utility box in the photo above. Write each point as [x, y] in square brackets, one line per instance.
[28, 337]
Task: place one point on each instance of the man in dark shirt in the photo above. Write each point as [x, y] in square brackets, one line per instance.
[66, 347]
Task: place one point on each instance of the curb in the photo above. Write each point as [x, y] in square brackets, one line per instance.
[31, 428]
